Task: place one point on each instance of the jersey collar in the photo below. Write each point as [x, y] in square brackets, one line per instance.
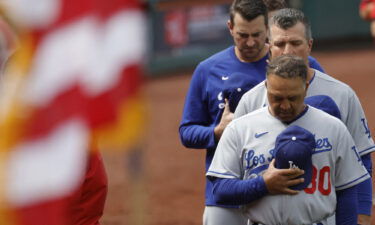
[312, 79]
[299, 115]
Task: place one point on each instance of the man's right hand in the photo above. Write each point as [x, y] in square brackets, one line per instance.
[226, 118]
[278, 181]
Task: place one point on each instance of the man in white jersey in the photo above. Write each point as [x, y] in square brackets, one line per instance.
[244, 157]
[290, 33]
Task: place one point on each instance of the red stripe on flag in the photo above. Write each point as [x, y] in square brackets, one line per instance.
[105, 9]
[104, 109]
[53, 212]
[73, 103]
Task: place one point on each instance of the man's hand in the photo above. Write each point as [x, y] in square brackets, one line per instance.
[364, 219]
[226, 118]
[278, 181]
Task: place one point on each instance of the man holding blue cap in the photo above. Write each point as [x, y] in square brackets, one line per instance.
[299, 136]
[293, 149]
[290, 33]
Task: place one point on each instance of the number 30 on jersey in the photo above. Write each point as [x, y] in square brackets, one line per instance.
[320, 181]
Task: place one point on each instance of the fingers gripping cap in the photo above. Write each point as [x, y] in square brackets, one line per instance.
[325, 103]
[236, 85]
[294, 147]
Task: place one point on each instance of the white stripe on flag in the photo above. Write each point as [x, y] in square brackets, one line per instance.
[87, 53]
[33, 13]
[49, 167]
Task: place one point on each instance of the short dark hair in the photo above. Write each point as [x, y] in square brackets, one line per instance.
[288, 17]
[273, 5]
[248, 9]
[288, 66]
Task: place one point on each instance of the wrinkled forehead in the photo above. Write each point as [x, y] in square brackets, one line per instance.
[258, 23]
[281, 85]
[297, 31]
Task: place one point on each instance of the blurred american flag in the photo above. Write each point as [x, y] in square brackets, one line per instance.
[74, 80]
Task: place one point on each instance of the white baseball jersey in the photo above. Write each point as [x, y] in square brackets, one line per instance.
[247, 147]
[322, 84]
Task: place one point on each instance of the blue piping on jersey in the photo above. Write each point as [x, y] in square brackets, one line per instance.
[327, 150]
[225, 174]
[259, 169]
[353, 181]
[300, 115]
[366, 149]
[312, 78]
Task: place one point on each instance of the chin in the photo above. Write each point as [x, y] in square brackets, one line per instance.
[251, 53]
[285, 119]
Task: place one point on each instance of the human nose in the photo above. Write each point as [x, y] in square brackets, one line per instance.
[285, 105]
[250, 41]
[288, 50]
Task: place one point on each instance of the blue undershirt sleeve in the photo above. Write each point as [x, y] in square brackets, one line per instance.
[346, 206]
[196, 130]
[366, 159]
[197, 136]
[364, 189]
[238, 192]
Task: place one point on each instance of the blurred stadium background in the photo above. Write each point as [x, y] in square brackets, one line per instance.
[182, 33]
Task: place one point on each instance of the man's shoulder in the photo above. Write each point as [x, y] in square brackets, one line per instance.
[324, 118]
[218, 57]
[325, 81]
[252, 116]
[259, 89]
[210, 64]
[252, 100]
[255, 94]
[329, 80]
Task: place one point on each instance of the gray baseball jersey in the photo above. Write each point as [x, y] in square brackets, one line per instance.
[322, 84]
[247, 147]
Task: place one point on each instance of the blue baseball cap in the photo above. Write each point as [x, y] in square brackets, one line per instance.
[236, 85]
[294, 147]
[325, 103]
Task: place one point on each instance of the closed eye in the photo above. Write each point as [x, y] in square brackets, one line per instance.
[296, 43]
[279, 44]
[243, 35]
[255, 34]
[277, 98]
